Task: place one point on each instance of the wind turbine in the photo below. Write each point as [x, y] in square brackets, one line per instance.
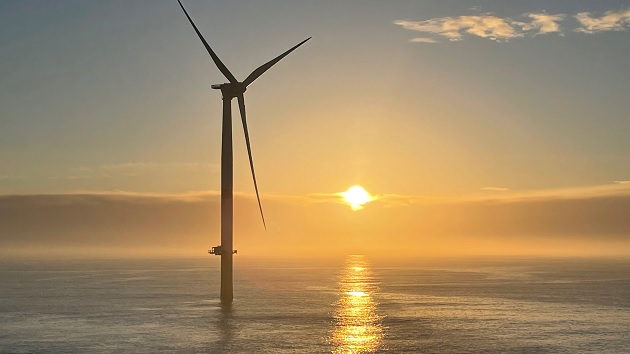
[230, 90]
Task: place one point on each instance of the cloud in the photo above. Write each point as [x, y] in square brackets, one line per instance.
[423, 40]
[11, 177]
[485, 26]
[545, 23]
[594, 218]
[336, 198]
[618, 189]
[590, 192]
[135, 169]
[497, 28]
[495, 189]
[618, 20]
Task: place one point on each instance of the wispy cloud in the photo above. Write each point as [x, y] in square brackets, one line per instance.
[453, 28]
[613, 190]
[504, 196]
[502, 29]
[11, 177]
[423, 40]
[495, 189]
[135, 169]
[544, 23]
[618, 20]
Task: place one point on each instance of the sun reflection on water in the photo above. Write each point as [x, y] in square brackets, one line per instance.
[358, 327]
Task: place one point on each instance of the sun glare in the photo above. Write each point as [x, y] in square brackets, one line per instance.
[356, 196]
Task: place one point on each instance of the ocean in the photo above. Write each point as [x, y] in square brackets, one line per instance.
[351, 305]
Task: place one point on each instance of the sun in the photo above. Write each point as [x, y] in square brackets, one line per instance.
[356, 196]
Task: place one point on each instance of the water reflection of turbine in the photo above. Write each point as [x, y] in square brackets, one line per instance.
[358, 327]
[226, 329]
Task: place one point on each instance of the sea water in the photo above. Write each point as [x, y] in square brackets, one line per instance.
[351, 305]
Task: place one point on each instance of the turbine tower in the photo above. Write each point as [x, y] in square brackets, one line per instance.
[230, 90]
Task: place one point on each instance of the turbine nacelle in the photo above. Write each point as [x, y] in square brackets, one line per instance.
[231, 90]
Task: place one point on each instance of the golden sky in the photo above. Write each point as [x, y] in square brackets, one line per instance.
[494, 129]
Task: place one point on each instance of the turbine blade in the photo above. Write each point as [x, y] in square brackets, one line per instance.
[215, 58]
[261, 70]
[241, 106]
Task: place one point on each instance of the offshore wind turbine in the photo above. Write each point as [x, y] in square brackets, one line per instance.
[230, 90]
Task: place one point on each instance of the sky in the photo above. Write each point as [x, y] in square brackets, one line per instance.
[447, 105]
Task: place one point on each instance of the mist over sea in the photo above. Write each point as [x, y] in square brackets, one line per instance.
[351, 305]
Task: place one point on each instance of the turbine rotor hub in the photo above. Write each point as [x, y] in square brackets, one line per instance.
[231, 90]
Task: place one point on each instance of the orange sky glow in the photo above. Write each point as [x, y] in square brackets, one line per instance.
[471, 131]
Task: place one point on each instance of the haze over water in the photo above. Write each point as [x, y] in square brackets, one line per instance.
[354, 305]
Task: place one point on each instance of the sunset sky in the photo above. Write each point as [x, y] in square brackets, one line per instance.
[482, 127]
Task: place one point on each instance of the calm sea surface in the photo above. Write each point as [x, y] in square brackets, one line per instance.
[354, 305]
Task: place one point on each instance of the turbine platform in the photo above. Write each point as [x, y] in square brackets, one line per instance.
[217, 251]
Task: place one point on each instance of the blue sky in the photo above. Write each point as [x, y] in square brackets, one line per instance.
[115, 95]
